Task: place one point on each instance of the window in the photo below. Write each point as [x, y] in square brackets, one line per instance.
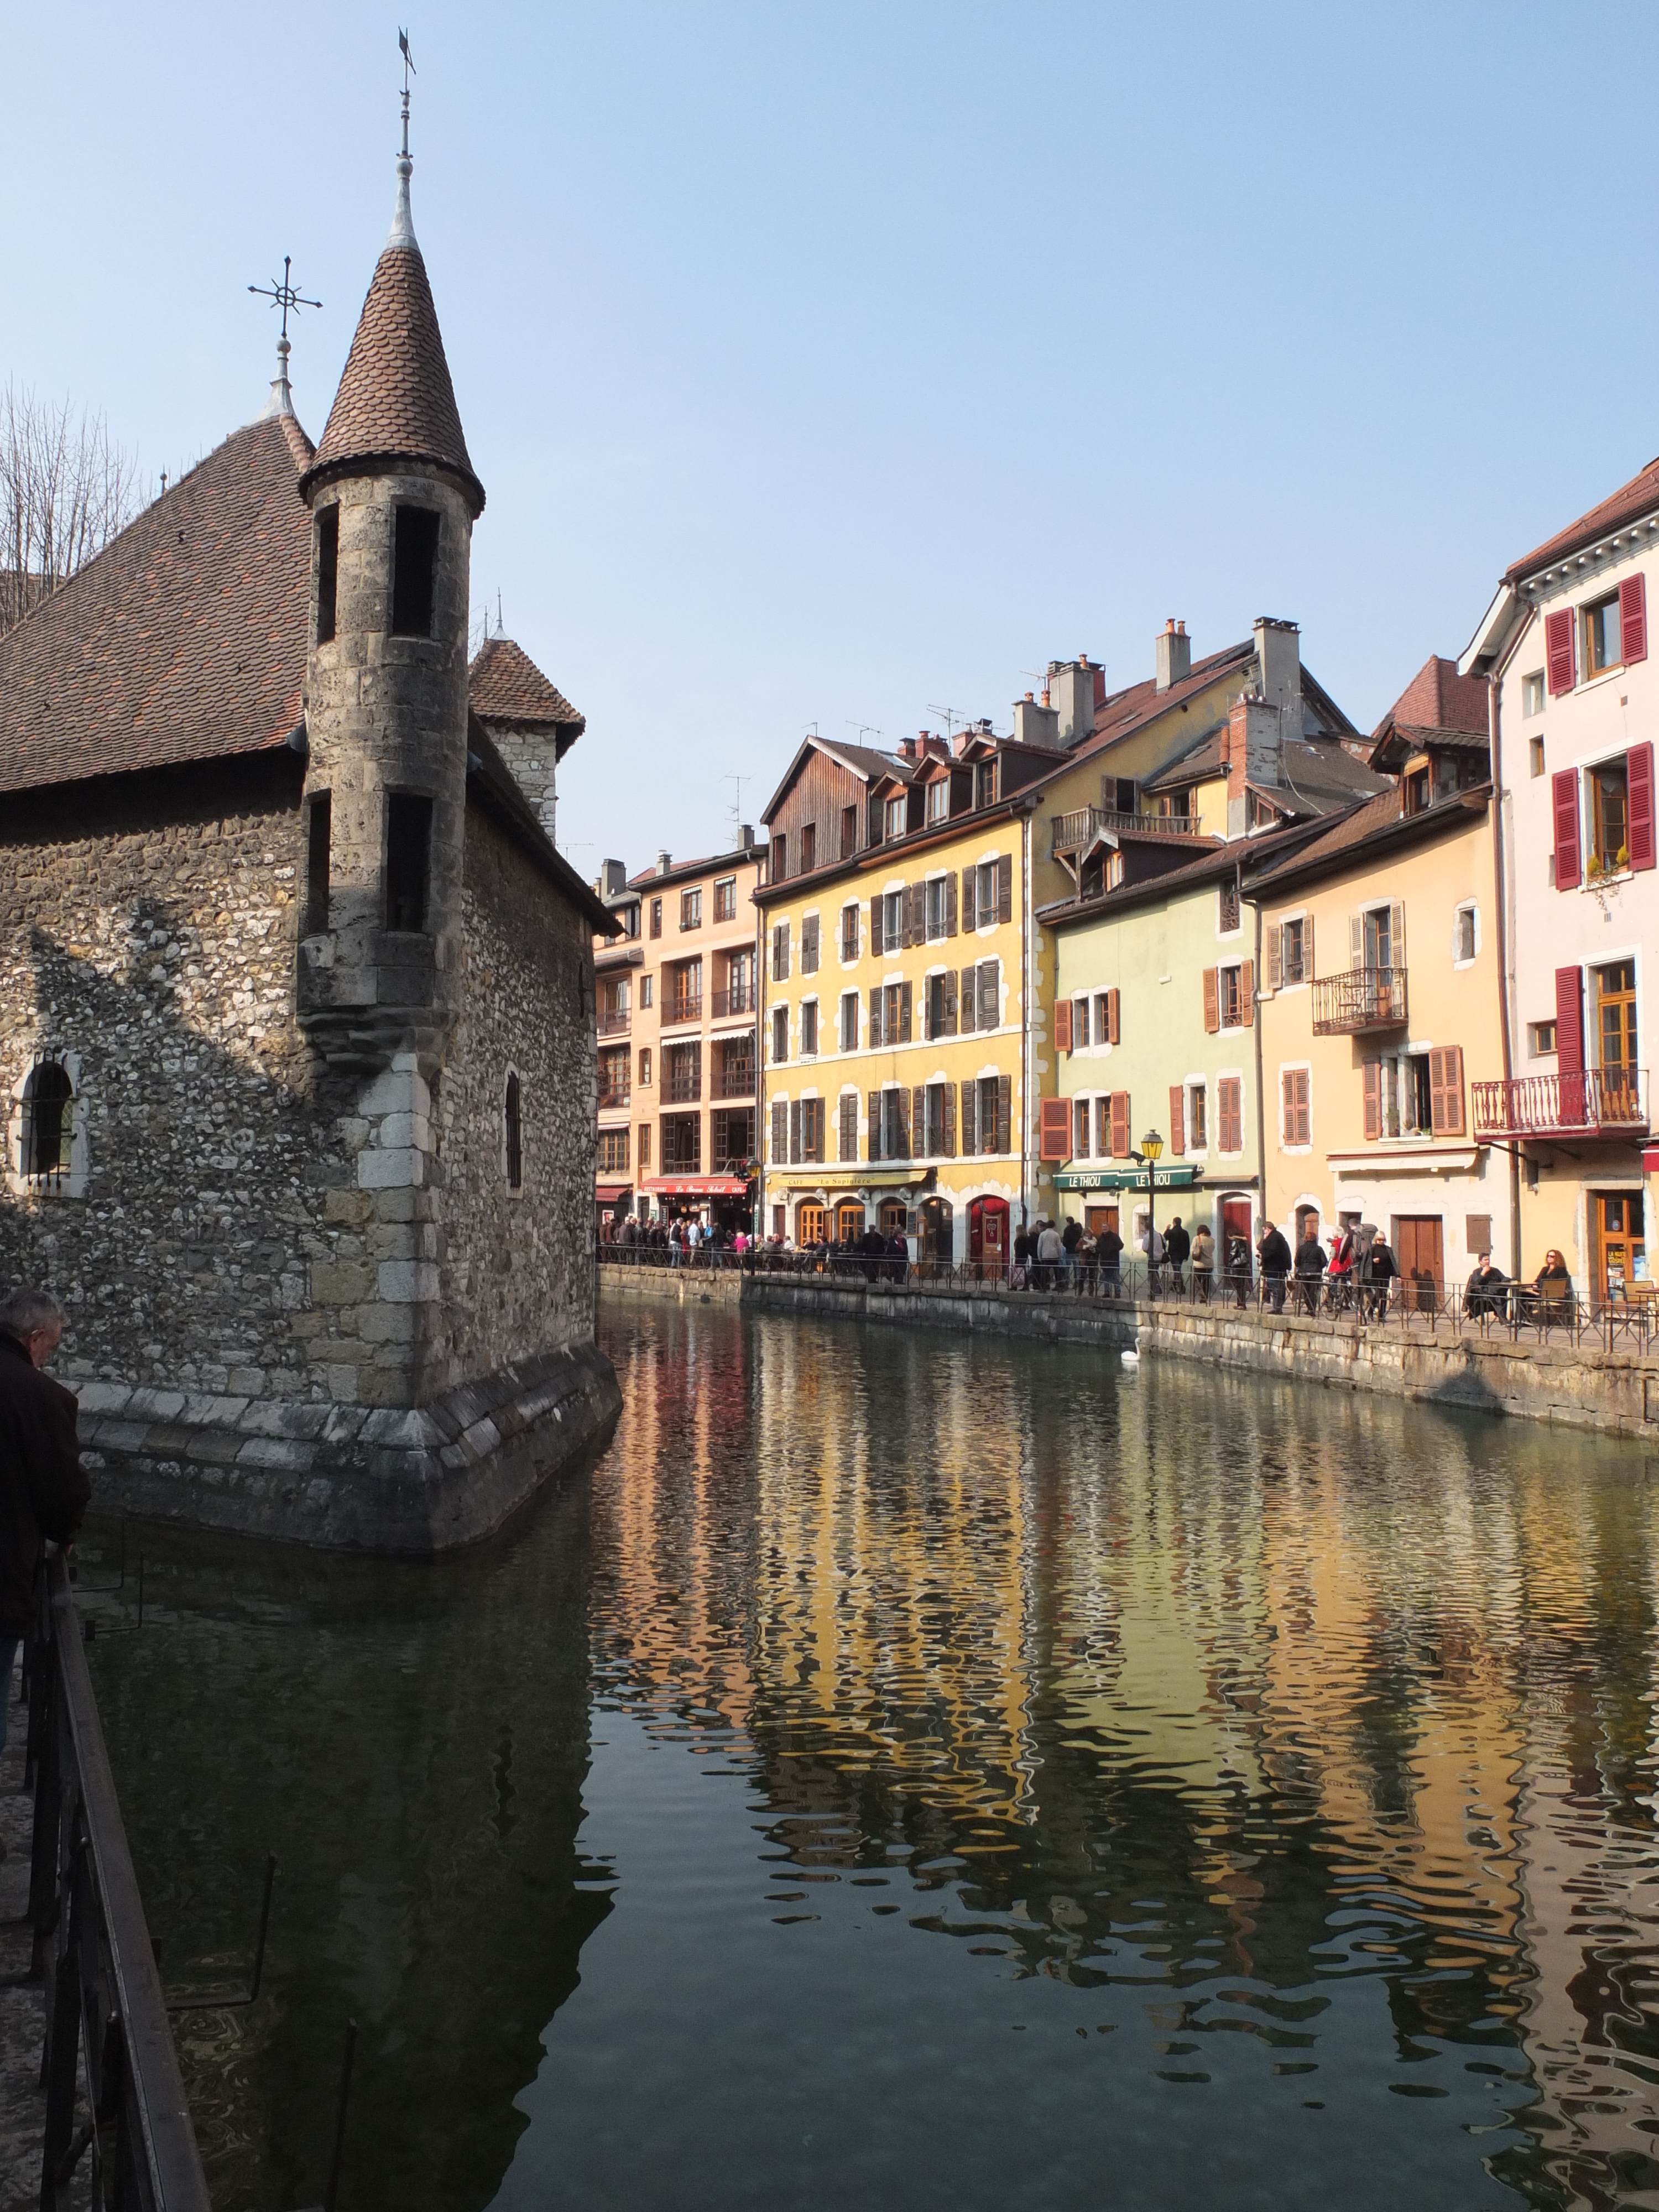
[780, 952]
[645, 1067]
[1601, 646]
[317, 818]
[779, 856]
[892, 921]
[1463, 935]
[940, 1116]
[630, 917]
[48, 1121]
[1227, 916]
[847, 1146]
[780, 1036]
[939, 916]
[414, 568]
[647, 989]
[645, 1147]
[1532, 695]
[810, 1116]
[514, 1134]
[614, 1063]
[1294, 1084]
[682, 1144]
[1080, 1133]
[1293, 955]
[896, 809]
[1377, 938]
[938, 798]
[1541, 1038]
[985, 784]
[1079, 1024]
[656, 917]
[1615, 1007]
[1535, 754]
[1229, 1114]
[940, 1005]
[849, 932]
[809, 847]
[681, 1074]
[1230, 981]
[849, 1021]
[849, 832]
[809, 1027]
[408, 858]
[684, 993]
[733, 1067]
[1198, 1122]
[809, 945]
[1609, 819]
[691, 909]
[732, 1138]
[1418, 796]
[328, 571]
[725, 899]
[613, 1150]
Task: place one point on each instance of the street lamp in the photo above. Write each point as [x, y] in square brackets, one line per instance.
[1150, 1152]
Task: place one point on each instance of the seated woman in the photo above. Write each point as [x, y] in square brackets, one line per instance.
[1552, 1286]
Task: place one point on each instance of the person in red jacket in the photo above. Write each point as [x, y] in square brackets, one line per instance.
[44, 1488]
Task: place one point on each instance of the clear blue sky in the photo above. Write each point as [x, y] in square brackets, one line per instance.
[841, 362]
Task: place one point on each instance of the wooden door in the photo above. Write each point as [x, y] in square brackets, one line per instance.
[849, 1221]
[1099, 1218]
[810, 1225]
[1622, 1266]
[1420, 1249]
[988, 1233]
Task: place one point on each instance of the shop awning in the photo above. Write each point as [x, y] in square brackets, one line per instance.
[1408, 1160]
[607, 1194]
[1130, 1178]
[695, 1186]
[865, 1178]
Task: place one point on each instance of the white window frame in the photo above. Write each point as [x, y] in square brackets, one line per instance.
[1201, 1085]
[1472, 908]
[800, 1026]
[73, 1181]
[775, 1060]
[855, 907]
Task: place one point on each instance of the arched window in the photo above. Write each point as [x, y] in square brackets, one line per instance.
[48, 1121]
[514, 1136]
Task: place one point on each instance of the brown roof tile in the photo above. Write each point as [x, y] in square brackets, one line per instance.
[1438, 698]
[505, 685]
[184, 639]
[1631, 502]
[396, 401]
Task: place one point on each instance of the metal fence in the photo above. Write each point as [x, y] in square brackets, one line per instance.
[114, 2095]
[1417, 1303]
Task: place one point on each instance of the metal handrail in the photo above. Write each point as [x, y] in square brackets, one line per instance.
[615, 1024]
[1542, 1105]
[1071, 832]
[1359, 999]
[107, 2016]
[739, 999]
[682, 1010]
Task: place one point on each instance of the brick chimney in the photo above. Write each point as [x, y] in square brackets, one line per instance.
[1250, 753]
[1175, 654]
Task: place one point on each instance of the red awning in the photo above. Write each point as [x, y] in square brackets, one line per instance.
[607, 1194]
[695, 1186]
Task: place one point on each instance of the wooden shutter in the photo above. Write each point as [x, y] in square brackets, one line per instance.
[1055, 1129]
[1113, 1022]
[1005, 888]
[1559, 651]
[905, 1152]
[951, 904]
[950, 997]
[875, 1016]
[916, 903]
[1212, 999]
[779, 1133]
[1177, 1118]
[1564, 788]
[1446, 1089]
[1295, 1124]
[990, 993]
[1397, 933]
[1570, 1021]
[968, 1005]
[795, 1132]
[877, 944]
[1309, 971]
[785, 951]
[918, 1118]
[1062, 1025]
[1356, 940]
[1373, 1101]
[809, 941]
[948, 1116]
[1230, 1103]
[1633, 618]
[1275, 955]
[1247, 993]
[1638, 786]
[1119, 1103]
[873, 1124]
[970, 919]
[904, 1014]
[1005, 1113]
[969, 1122]
[848, 1146]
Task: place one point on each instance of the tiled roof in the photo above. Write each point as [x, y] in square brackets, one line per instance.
[1628, 504]
[1123, 712]
[1363, 824]
[1438, 698]
[396, 401]
[1420, 736]
[505, 685]
[184, 640]
[491, 782]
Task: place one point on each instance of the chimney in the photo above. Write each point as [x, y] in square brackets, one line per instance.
[911, 748]
[1279, 668]
[662, 864]
[1072, 688]
[1035, 724]
[748, 836]
[613, 878]
[1175, 654]
[1250, 753]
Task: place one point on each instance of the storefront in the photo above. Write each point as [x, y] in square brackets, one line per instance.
[1115, 1197]
[841, 1204]
[611, 1203]
[718, 1201]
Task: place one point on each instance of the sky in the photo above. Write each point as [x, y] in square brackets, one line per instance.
[840, 366]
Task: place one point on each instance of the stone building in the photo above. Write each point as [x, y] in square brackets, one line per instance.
[296, 996]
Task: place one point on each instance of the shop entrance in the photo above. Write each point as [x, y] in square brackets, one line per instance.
[934, 1230]
[812, 1225]
[987, 1237]
[849, 1221]
[1096, 1220]
[1420, 1250]
[1622, 1256]
[895, 1217]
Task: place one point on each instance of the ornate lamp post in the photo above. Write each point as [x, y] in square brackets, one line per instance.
[1152, 1151]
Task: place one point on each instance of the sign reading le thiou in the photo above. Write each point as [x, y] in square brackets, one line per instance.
[1131, 1178]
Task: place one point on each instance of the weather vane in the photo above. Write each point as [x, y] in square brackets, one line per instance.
[284, 295]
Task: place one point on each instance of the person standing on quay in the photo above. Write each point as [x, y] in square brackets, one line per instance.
[1177, 1245]
[1274, 1254]
[44, 1488]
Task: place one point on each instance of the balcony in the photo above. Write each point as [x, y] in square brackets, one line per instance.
[682, 1090]
[741, 998]
[608, 1100]
[1072, 832]
[736, 1080]
[1363, 1000]
[1610, 1102]
[615, 1024]
[676, 1010]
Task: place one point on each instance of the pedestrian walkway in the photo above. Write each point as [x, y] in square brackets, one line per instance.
[22, 2108]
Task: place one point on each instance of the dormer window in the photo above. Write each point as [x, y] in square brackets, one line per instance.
[328, 571]
[985, 783]
[414, 571]
[938, 798]
[896, 813]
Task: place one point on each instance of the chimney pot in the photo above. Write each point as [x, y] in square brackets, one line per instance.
[662, 863]
[1174, 654]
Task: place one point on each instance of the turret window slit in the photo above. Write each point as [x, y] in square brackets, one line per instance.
[414, 560]
[408, 858]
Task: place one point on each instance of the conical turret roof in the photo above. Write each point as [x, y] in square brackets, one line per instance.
[396, 401]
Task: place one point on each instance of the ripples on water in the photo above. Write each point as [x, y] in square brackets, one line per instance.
[933, 1770]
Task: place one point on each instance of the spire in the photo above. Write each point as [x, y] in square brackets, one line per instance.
[281, 401]
[396, 403]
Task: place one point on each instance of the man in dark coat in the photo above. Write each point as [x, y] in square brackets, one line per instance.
[1274, 1254]
[42, 1486]
[1310, 1266]
[1177, 1245]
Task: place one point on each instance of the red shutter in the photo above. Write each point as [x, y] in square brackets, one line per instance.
[1229, 1101]
[1446, 1090]
[1559, 651]
[1055, 1129]
[1564, 787]
[1062, 1025]
[1569, 1044]
[1112, 1019]
[1177, 1118]
[1638, 784]
[1120, 1104]
[1212, 1000]
[1247, 993]
[1633, 618]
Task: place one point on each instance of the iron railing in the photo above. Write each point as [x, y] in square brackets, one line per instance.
[735, 1081]
[612, 1098]
[1362, 998]
[681, 1089]
[739, 999]
[615, 1024]
[105, 2015]
[1072, 831]
[682, 1010]
[1614, 1099]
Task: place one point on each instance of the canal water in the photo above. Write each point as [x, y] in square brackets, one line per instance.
[916, 1770]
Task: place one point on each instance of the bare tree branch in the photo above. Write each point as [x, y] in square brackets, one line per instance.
[66, 488]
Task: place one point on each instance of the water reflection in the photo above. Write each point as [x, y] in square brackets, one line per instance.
[1014, 1784]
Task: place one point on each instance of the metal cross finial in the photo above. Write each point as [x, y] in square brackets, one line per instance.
[284, 295]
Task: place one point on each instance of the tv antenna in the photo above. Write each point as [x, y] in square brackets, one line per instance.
[949, 717]
[865, 729]
[736, 808]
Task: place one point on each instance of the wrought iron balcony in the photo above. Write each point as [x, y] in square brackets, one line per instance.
[1072, 832]
[682, 1090]
[612, 1098]
[1361, 999]
[682, 1010]
[736, 1080]
[741, 998]
[615, 1024]
[1601, 1100]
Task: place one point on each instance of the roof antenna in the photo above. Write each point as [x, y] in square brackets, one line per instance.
[403, 223]
[280, 293]
[501, 626]
[949, 717]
